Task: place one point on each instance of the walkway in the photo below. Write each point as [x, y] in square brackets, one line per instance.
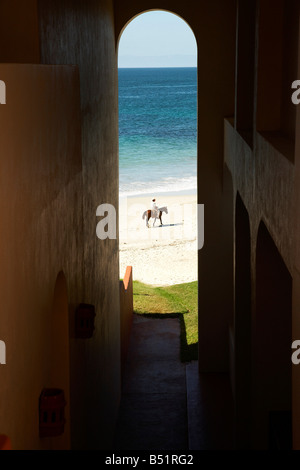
[165, 405]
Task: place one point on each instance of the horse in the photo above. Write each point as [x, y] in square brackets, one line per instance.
[149, 213]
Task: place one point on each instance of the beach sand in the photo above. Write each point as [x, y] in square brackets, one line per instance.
[160, 255]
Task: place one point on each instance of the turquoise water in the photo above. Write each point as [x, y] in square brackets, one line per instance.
[157, 130]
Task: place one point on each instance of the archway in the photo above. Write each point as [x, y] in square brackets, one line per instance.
[242, 325]
[158, 157]
[272, 333]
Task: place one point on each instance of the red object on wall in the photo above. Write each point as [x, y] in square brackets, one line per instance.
[5, 443]
[84, 322]
[52, 412]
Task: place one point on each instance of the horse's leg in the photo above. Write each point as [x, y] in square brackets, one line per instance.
[160, 214]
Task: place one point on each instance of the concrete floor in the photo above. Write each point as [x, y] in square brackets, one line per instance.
[165, 404]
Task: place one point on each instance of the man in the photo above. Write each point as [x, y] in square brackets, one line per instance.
[154, 209]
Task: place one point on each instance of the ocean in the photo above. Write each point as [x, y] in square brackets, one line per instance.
[157, 130]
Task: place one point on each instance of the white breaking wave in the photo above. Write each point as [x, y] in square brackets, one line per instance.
[155, 187]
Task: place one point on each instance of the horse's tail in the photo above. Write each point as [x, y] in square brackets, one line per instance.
[144, 214]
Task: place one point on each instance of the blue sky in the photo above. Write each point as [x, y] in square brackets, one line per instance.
[157, 39]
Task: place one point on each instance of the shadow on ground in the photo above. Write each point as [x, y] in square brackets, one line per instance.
[188, 352]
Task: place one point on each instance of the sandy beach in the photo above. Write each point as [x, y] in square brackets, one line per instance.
[159, 255]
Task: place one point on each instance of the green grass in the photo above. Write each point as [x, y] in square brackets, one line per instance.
[177, 301]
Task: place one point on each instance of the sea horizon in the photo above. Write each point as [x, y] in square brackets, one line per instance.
[160, 195]
[163, 67]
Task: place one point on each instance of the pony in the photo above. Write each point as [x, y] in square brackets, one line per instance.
[148, 214]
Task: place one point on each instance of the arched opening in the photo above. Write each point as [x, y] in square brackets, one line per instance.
[242, 326]
[272, 339]
[158, 151]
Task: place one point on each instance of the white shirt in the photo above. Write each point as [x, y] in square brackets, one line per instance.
[154, 207]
